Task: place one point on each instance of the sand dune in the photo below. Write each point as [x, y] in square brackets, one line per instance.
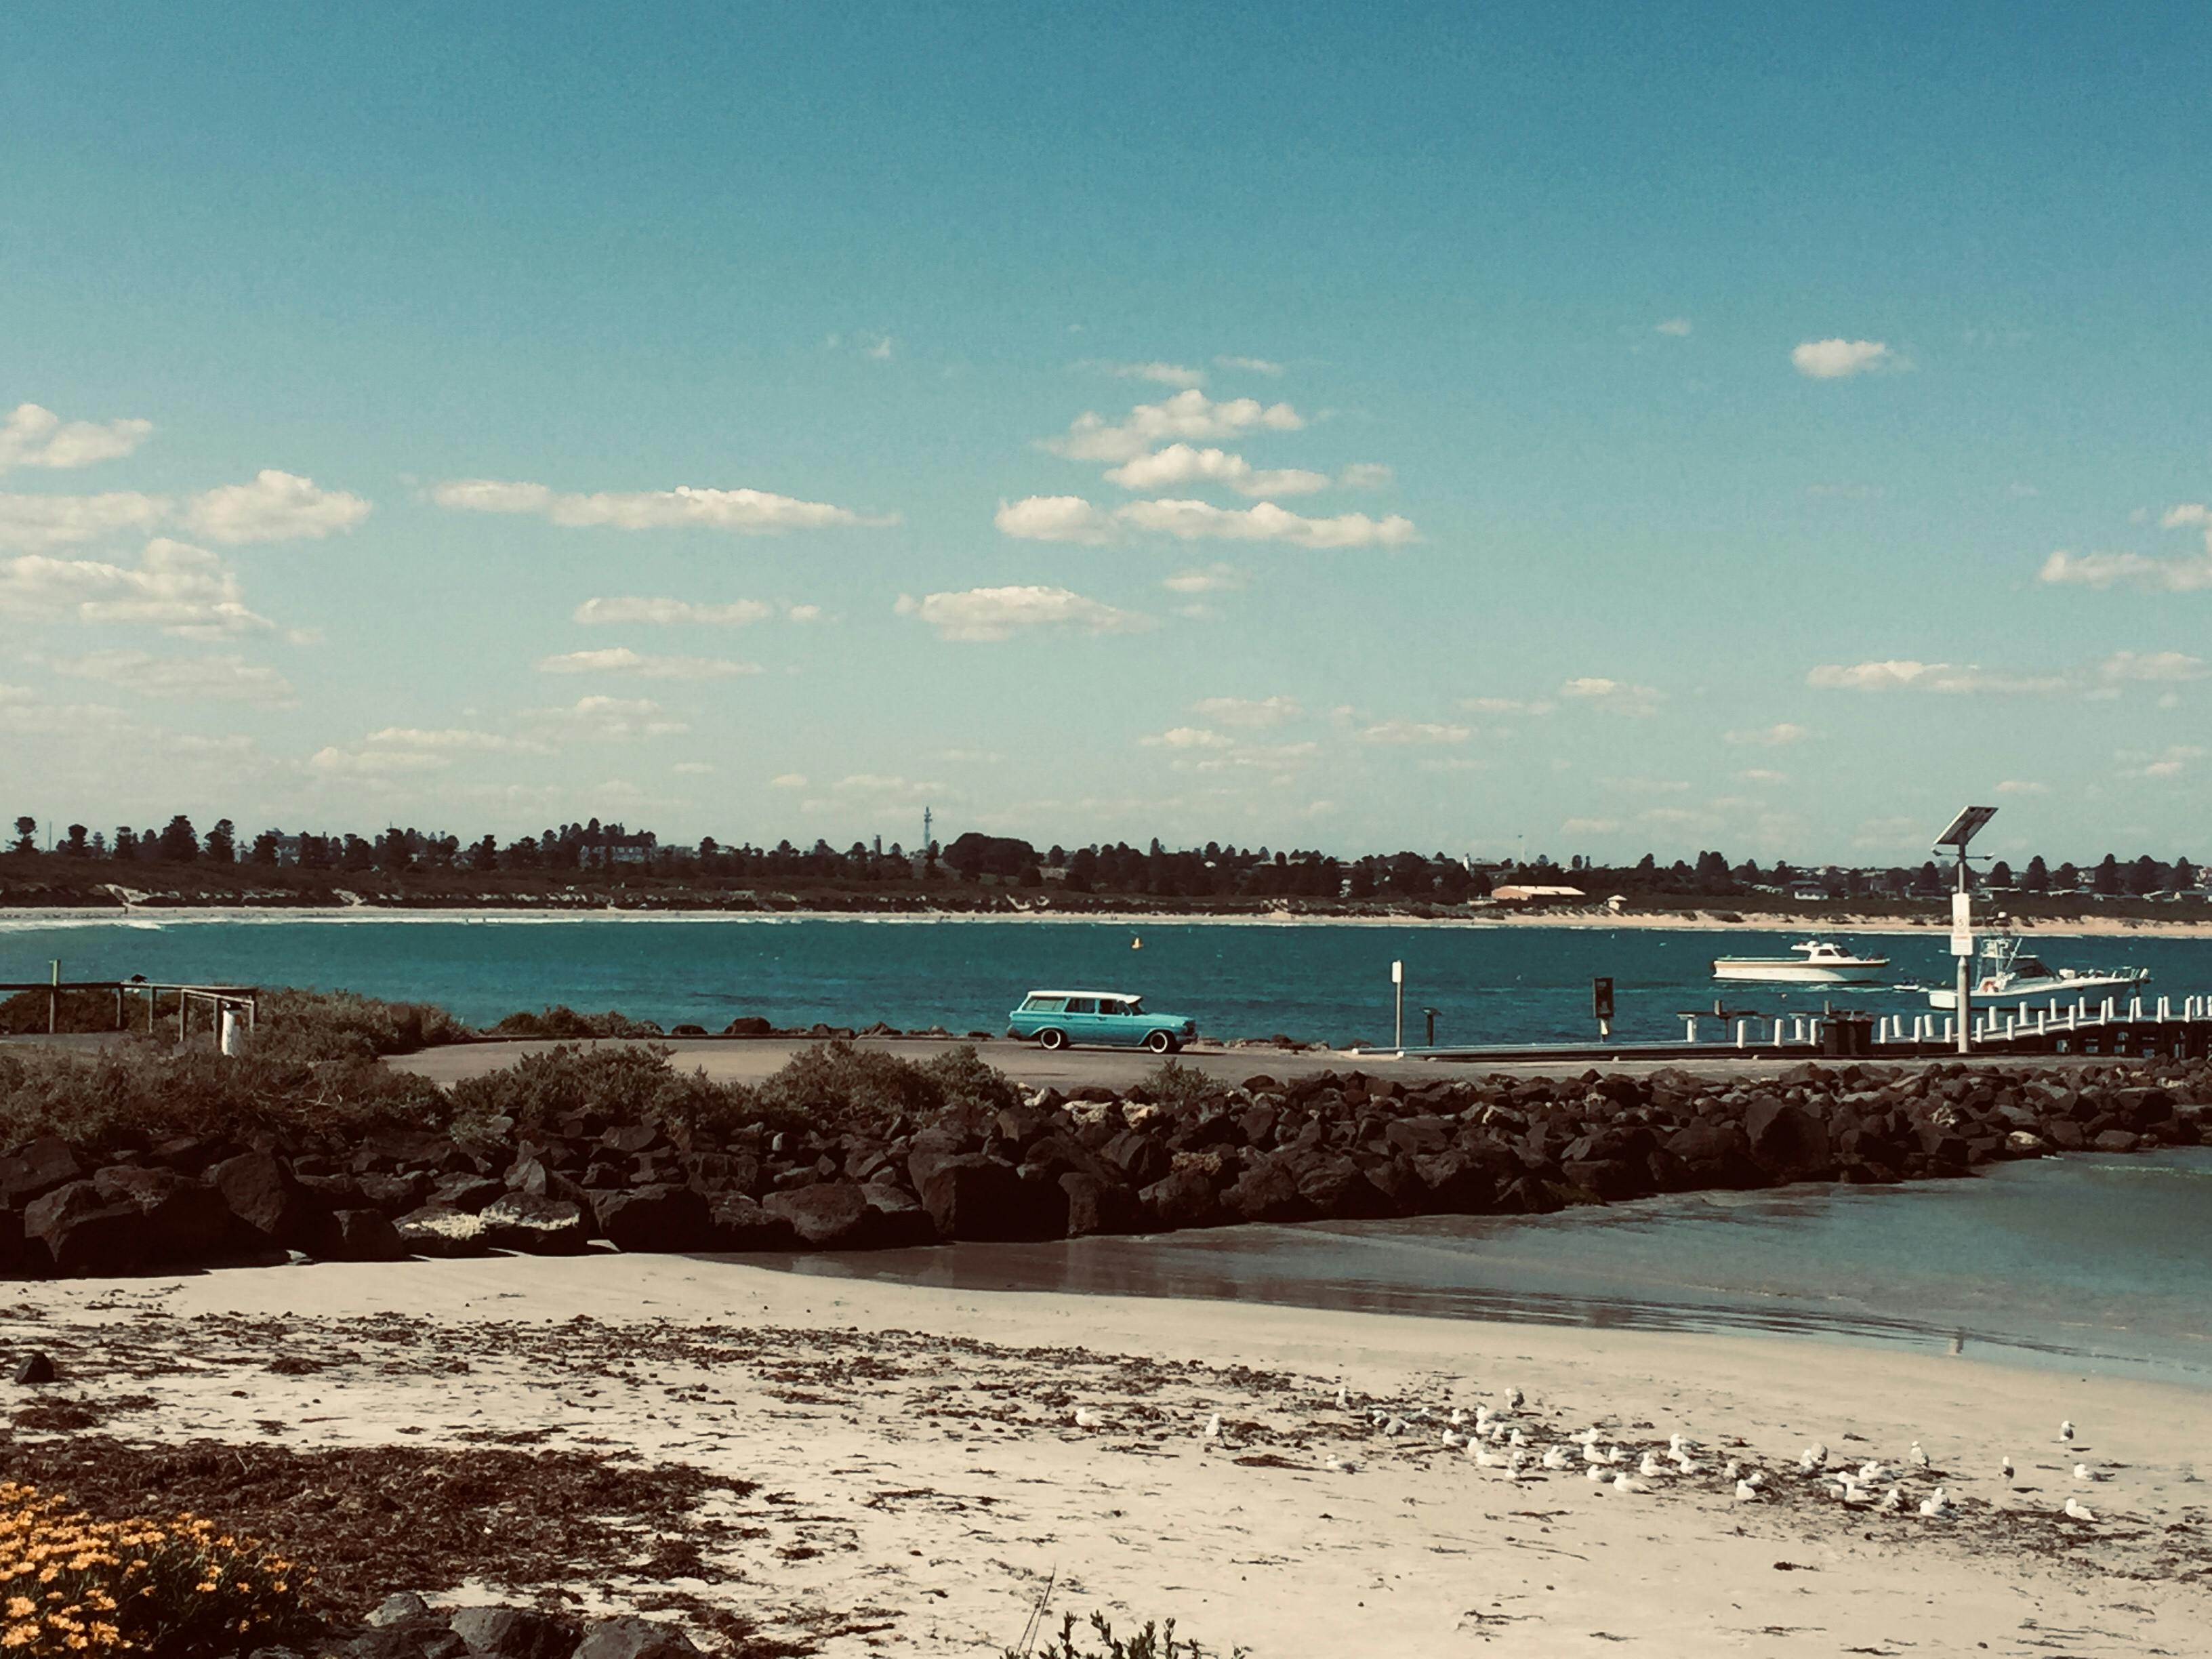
[925, 1474]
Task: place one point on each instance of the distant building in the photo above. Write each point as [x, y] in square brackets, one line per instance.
[1810, 892]
[1520, 895]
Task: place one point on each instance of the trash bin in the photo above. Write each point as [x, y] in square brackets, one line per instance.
[1848, 1037]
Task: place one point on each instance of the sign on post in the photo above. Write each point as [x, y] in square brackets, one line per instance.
[1962, 924]
[1601, 998]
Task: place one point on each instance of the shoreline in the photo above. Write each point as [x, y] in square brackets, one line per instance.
[31, 919]
[927, 1474]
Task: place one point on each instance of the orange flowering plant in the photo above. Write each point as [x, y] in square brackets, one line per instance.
[71, 1584]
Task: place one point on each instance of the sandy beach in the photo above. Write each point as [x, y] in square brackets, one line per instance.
[1717, 918]
[923, 1475]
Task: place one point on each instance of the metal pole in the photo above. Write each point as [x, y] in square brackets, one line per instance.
[54, 1000]
[1966, 974]
[1399, 976]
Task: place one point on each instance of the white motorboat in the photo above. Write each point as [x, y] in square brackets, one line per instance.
[1817, 963]
[2007, 974]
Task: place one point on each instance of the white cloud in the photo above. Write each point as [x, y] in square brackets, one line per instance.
[1763, 775]
[1174, 374]
[2157, 667]
[1591, 827]
[335, 762]
[2188, 575]
[1404, 733]
[1250, 713]
[2170, 762]
[617, 717]
[1213, 579]
[1509, 705]
[743, 512]
[454, 738]
[183, 590]
[1833, 360]
[2193, 513]
[40, 523]
[1612, 696]
[1674, 326]
[1250, 365]
[1906, 675]
[1366, 475]
[1071, 519]
[996, 613]
[31, 436]
[872, 783]
[1188, 415]
[1769, 737]
[788, 781]
[195, 679]
[1181, 463]
[276, 507]
[2022, 786]
[736, 613]
[1188, 736]
[692, 770]
[621, 660]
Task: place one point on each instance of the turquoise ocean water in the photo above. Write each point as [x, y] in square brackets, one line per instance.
[1330, 982]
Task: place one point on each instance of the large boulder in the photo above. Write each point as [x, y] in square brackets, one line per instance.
[829, 1215]
[1096, 1205]
[1715, 1155]
[737, 1223]
[1182, 1198]
[1267, 1191]
[635, 1638]
[1787, 1141]
[83, 1230]
[35, 1169]
[434, 1229]
[972, 1196]
[535, 1226]
[666, 1218]
[183, 1220]
[272, 1208]
[1338, 1189]
[900, 1220]
[360, 1235]
[514, 1634]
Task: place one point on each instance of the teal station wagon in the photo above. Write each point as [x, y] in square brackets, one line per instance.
[1057, 1018]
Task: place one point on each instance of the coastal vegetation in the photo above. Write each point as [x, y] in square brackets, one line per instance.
[596, 866]
[140, 1155]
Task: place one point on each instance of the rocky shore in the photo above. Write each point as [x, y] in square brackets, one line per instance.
[1176, 1152]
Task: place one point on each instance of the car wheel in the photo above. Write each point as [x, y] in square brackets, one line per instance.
[1052, 1038]
[1160, 1042]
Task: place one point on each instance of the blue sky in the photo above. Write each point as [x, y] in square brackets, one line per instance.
[1573, 430]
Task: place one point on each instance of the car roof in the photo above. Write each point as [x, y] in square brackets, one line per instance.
[1119, 996]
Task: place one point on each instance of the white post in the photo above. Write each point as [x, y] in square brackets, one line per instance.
[1689, 1028]
[226, 1032]
[1777, 1031]
[1398, 988]
[1742, 1033]
[1950, 1028]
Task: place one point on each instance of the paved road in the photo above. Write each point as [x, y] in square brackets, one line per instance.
[750, 1060]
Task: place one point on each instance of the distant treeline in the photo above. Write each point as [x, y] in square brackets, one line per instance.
[1212, 871]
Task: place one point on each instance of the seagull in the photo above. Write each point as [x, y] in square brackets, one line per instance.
[1448, 1438]
[2078, 1511]
[1341, 1466]
[2066, 1431]
[1458, 1417]
[1745, 1491]
[1893, 1499]
[1623, 1482]
[1396, 1425]
[1650, 1468]
[2007, 1468]
[1935, 1503]
[1514, 1463]
[1513, 1399]
[1682, 1462]
[1872, 1472]
[1919, 1457]
[1733, 1471]
[1555, 1457]
[1593, 1473]
[2081, 1471]
[1812, 1459]
[1517, 1438]
[1484, 1457]
[1087, 1418]
[1213, 1427]
[1343, 1400]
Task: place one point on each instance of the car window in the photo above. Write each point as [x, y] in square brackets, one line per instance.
[1108, 1006]
[1083, 1005]
[1045, 1004]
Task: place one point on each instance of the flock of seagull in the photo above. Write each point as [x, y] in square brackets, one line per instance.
[1504, 1438]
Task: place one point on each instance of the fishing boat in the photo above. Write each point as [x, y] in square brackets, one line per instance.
[1817, 961]
[2005, 974]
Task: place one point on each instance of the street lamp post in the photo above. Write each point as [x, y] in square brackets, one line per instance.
[1960, 831]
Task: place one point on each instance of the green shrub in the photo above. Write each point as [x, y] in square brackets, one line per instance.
[630, 1083]
[137, 1094]
[565, 1025]
[314, 1025]
[1173, 1084]
[1155, 1641]
[835, 1084]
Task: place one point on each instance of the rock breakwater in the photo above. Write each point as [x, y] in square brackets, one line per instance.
[1177, 1152]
